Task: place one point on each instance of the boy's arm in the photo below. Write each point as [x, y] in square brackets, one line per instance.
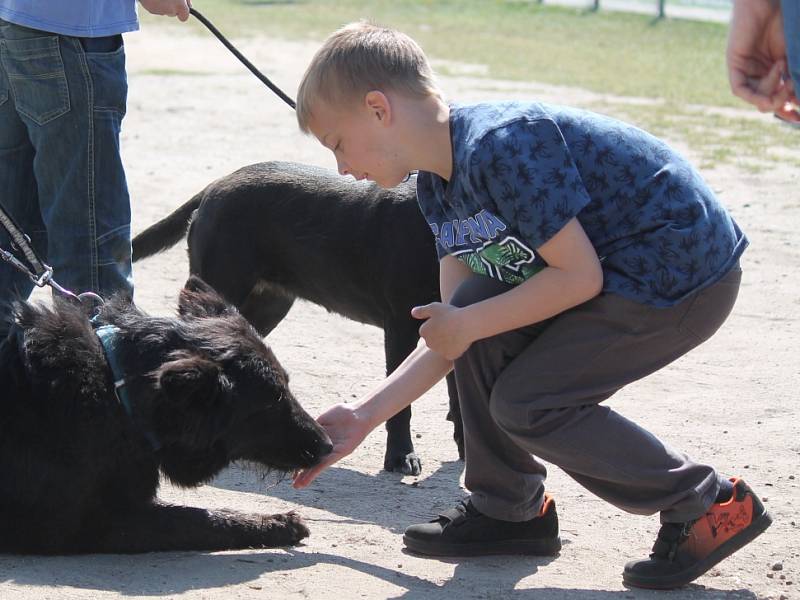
[542, 206]
[348, 424]
[573, 276]
[422, 369]
[452, 273]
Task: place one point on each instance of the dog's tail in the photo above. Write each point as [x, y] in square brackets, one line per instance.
[167, 232]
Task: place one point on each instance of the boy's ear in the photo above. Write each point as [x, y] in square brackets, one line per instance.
[198, 299]
[379, 105]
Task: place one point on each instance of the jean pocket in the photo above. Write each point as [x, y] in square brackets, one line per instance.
[109, 81]
[36, 75]
[102, 45]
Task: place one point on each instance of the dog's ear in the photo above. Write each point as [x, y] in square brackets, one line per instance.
[198, 299]
[190, 380]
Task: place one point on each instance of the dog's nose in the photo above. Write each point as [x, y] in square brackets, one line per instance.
[325, 448]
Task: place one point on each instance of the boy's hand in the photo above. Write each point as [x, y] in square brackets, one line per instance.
[443, 330]
[168, 8]
[346, 428]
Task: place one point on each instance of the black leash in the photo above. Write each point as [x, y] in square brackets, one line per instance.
[39, 272]
[264, 79]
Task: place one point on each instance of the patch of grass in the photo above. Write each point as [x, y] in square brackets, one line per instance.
[680, 63]
[618, 53]
[717, 137]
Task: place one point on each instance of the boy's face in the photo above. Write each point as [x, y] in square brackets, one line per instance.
[360, 138]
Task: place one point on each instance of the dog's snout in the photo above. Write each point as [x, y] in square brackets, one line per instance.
[325, 447]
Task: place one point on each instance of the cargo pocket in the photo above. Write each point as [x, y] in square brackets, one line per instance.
[36, 75]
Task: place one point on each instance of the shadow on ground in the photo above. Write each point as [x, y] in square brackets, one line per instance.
[341, 492]
[167, 574]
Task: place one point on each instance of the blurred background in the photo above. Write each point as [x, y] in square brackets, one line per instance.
[659, 64]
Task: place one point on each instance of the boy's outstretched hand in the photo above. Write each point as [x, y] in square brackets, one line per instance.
[443, 331]
[346, 428]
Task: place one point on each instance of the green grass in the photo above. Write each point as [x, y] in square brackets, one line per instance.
[618, 53]
[753, 145]
[678, 62]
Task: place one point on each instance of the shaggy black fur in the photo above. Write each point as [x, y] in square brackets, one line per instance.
[273, 232]
[78, 474]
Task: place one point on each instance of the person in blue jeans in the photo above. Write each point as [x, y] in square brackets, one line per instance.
[63, 92]
[763, 55]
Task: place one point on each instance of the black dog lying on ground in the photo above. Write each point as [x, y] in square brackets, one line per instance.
[79, 474]
[273, 232]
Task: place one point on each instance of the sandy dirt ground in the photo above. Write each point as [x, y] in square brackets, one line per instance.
[195, 114]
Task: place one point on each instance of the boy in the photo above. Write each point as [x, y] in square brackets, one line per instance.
[578, 254]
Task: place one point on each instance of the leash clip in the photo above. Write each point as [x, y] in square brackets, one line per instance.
[45, 278]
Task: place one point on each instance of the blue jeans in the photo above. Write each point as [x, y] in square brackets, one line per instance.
[62, 100]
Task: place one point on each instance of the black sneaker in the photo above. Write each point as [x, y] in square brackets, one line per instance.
[684, 551]
[463, 531]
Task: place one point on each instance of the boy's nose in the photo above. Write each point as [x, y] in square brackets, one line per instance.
[342, 166]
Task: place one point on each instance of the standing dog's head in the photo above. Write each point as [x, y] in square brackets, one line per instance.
[218, 394]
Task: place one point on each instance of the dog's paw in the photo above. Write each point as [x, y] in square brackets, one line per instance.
[284, 529]
[407, 464]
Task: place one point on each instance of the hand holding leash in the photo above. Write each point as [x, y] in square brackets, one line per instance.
[168, 8]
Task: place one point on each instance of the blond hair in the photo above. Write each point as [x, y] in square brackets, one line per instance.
[361, 57]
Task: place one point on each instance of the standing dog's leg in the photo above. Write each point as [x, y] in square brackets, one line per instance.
[265, 307]
[165, 528]
[233, 270]
[400, 339]
[454, 414]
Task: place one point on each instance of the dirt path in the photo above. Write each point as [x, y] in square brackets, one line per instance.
[737, 394]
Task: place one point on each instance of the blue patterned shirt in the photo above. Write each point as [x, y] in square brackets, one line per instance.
[521, 171]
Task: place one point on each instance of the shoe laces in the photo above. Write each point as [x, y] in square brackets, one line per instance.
[459, 512]
[670, 537]
[467, 506]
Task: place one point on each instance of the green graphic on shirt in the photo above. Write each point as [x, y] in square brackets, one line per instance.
[509, 260]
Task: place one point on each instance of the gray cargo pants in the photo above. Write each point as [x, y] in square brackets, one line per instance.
[536, 391]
